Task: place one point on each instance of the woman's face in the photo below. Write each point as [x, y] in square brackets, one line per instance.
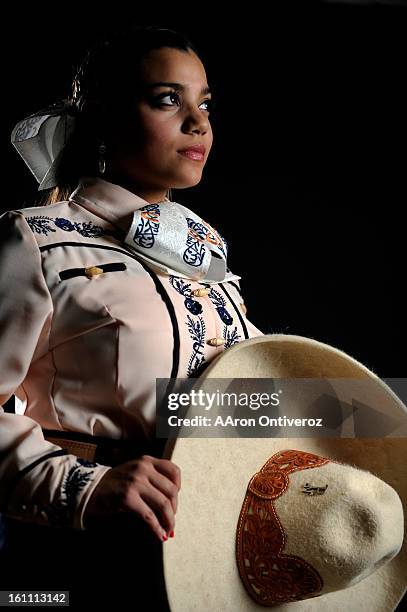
[167, 118]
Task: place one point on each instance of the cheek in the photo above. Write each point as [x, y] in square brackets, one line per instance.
[160, 139]
[161, 136]
[156, 129]
[136, 133]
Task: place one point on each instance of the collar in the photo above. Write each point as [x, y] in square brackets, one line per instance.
[109, 201]
[118, 206]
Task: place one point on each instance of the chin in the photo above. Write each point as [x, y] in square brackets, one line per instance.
[186, 182]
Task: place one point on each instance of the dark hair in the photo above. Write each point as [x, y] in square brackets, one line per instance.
[103, 88]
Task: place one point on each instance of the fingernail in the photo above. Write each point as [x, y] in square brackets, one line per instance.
[165, 537]
[171, 534]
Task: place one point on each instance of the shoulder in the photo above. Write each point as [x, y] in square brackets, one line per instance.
[59, 220]
[30, 212]
[41, 219]
[50, 210]
[31, 220]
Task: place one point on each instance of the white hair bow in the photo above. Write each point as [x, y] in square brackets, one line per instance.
[40, 139]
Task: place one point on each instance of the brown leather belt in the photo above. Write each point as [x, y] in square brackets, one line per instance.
[105, 451]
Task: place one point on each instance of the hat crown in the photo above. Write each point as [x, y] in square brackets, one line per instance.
[309, 526]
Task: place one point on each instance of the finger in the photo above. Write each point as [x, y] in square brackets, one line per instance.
[169, 469]
[149, 516]
[166, 486]
[161, 506]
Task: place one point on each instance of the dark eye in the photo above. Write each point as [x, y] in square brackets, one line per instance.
[210, 104]
[173, 94]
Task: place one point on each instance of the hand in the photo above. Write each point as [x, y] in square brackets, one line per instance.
[147, 486]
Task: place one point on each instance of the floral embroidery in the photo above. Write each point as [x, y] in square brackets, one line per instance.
[197, 330]
[194, 306]
[41, 224]
[61, 512]
[195, 251]
[184, 289]
[231, 337]
[198, 234]
[28, 128]
[148, 226]
[219, 301]
[197, 333]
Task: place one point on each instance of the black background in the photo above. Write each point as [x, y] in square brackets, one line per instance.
[307, 175]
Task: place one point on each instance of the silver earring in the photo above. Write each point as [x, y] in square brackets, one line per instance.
[102, 161]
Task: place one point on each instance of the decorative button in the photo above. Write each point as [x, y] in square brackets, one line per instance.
[200, 292]
[243, 308]
[93, 271]
[216, 341]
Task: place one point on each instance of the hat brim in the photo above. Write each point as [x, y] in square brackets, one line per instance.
[199, 562]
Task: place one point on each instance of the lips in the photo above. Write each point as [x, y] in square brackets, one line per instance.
[195, 152]
[198, 148]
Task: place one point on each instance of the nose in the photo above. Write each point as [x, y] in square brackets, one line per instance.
[196, 121]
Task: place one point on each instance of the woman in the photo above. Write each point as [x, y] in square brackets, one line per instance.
[108, 286]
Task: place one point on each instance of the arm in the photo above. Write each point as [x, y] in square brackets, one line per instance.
[39, 481]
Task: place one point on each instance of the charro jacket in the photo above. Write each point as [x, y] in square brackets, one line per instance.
[86, 327]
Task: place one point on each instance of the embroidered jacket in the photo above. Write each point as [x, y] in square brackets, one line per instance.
[86, 327]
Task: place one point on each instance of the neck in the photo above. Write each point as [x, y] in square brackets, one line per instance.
[152, 195]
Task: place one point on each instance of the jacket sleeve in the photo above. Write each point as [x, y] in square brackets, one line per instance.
[39, 481]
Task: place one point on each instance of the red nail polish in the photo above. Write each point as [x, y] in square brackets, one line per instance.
[165, 537]
[171, 534]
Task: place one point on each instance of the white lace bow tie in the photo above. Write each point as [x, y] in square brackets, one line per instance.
[173, 238]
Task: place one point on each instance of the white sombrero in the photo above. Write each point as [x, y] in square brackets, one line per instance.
[297, 524]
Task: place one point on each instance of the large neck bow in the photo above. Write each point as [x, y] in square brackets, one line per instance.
[175, 239]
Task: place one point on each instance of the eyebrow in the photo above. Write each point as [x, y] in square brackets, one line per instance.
[176, 86]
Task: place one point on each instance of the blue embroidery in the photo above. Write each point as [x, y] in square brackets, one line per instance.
[202, 232]
[86, 463]
[195, 307]
[184, 289]
[197, 333]
[27, 129]
[197, 236]
[74, 483]
[60, 513]
[219, 301]
[195, 252]
[148, 226]
[231, 337]
[41, 224]
[196, 363]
